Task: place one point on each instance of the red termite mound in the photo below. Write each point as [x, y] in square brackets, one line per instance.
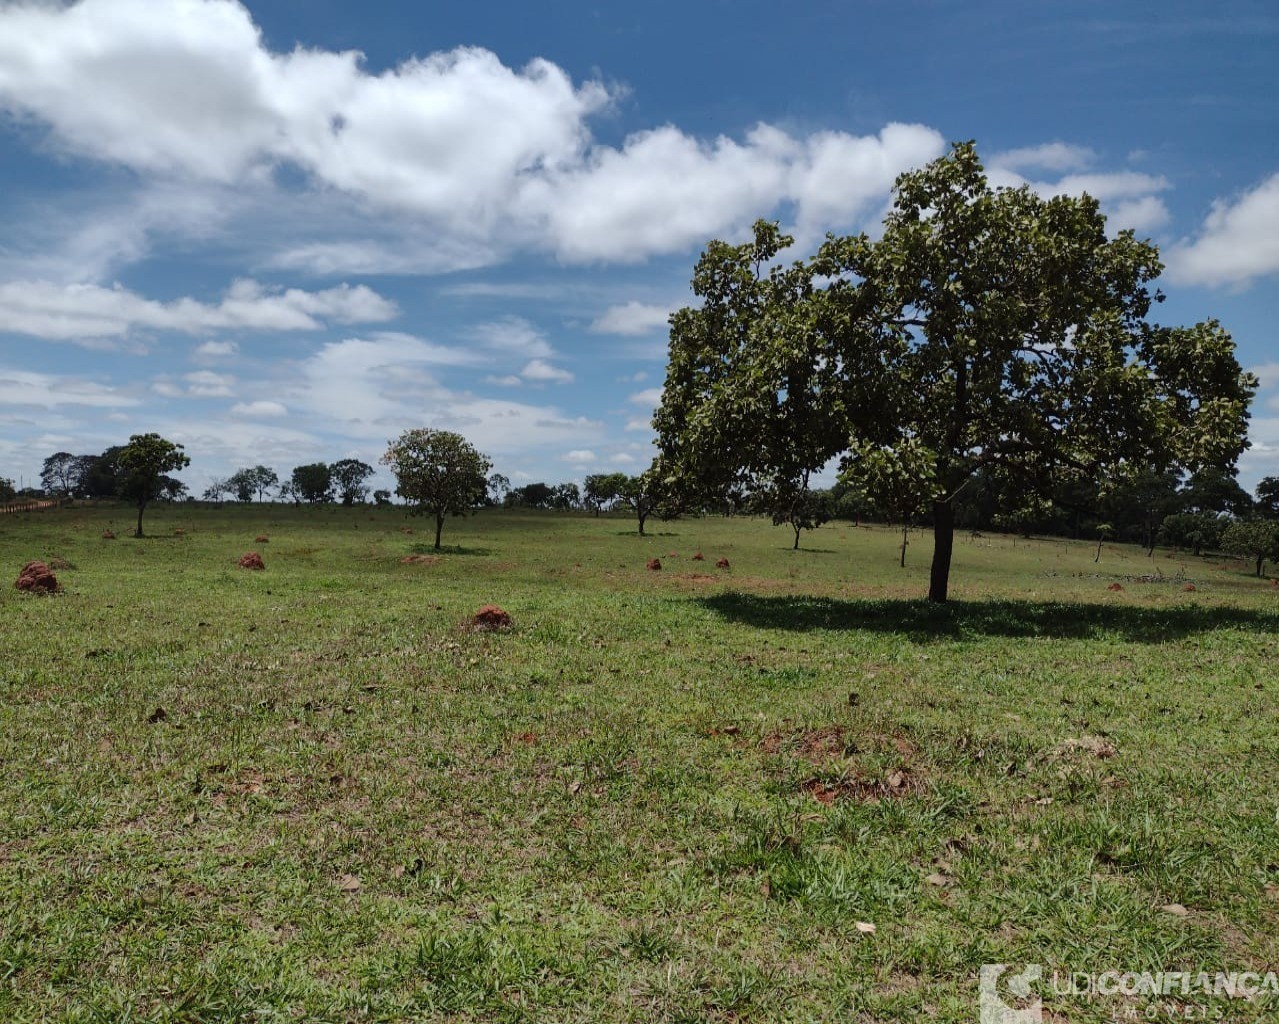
[1115, 587]
[722, 564]
[252, 561]
[261, 538]
[37, 578]
[491, 617]
[699, 557]
[654, 564]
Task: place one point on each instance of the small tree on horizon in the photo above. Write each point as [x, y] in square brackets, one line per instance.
[312, 483]
[439, 473]
[1253, 538]
[60, 473]
[348, 477]
[651, 493]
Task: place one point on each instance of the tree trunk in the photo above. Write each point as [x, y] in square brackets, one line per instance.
[142, 505]
[1097, 557]
[796, 529]
[943, 546]
[642, 516]
[905, 528]
[439, 528]
[1261, 560]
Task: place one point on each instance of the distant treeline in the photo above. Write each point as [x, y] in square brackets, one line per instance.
[1192, 512]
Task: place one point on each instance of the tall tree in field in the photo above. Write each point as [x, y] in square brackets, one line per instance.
[263, 479]
[601, 489]
[312, 482]
[144, 461]
[438, 473]
[651, 494]
[60, 474]
[240, 484]
[1268, 497]
[998, 329]
[348, 477]
[499, 486]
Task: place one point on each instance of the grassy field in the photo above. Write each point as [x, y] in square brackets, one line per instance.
[786, 791]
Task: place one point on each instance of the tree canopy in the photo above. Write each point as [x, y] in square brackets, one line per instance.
[438, 473]
[1000, 331]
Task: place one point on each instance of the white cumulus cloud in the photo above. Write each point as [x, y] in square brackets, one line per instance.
[1238, 243]
[484, 158]
[90, 313]
[259, 410]
[631, 318]
[542, 372]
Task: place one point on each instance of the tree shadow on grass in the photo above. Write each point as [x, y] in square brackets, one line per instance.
[448, 549]
[922, 621]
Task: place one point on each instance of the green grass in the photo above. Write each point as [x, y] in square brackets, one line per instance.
[311, 793]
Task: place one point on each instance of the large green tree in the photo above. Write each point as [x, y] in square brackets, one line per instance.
[999, 330]
[438, 473]
[144, 462]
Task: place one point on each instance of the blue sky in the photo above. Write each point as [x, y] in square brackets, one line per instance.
[285, 231]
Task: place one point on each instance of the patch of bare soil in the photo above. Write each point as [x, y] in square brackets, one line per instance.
[697, 577]
[419, 560]
[37, 578]
[816, 745]
[897, 783]
[490, 619]
[251, 561]
[108, 535]
[1085, 746]
[261, 538]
